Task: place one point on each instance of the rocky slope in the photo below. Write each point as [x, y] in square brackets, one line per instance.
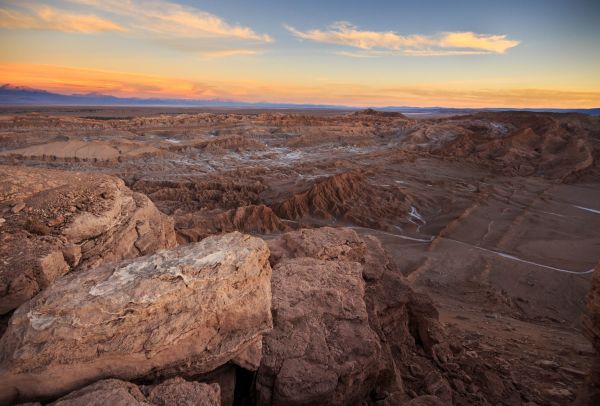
[185, 311]
[346, 197]
[523, 144]
[254, 219]
[57, 221]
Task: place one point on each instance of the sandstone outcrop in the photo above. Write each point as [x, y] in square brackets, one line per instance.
[185, 311]
[254, 219]
[67, 221]
[523, 144]
[80, 150]
[345, 324]
[346, 197]
[322, 350]
[114, 392]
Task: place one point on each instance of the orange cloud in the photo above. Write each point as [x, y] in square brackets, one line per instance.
[49, 18]
[378, 43]
[493, 43]
[63, 79]
[170, 19]
[75, 80]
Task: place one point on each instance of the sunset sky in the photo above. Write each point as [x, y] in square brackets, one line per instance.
[536, 53]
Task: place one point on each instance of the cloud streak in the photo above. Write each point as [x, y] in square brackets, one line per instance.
[49, 18]
[381, 43]
[169, 19]
[229, 52]
[146, 18]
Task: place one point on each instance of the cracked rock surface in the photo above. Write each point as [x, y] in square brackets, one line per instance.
[183, 311]
[68, 221]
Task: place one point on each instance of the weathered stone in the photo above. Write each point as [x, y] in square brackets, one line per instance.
[427, 400]
[251, 356]
[18, 207]
[322, 350]
[178, 391]
[437, 386]
[191, 309]
[106, 228]
[28, 266]
[115, 392]
[112, 392]
[345, 321]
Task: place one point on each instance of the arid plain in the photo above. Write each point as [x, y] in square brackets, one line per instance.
[415, 259]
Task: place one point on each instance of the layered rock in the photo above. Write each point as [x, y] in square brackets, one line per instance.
[114, 392]
[57, 221]
[82, 150]
[346, 325]
[520, 143]
[254, 219]
[184, 311]
[348, 197]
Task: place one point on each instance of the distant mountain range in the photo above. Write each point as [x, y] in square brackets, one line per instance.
[25, 96]
[21, 95]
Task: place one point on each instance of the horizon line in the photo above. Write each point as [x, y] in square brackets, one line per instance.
[244, 104]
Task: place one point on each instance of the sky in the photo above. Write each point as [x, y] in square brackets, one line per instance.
[454, 53]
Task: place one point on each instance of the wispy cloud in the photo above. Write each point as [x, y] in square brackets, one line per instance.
[173, 20]
[380, 43]
[226, 53]
[145, 18]
[50, 18]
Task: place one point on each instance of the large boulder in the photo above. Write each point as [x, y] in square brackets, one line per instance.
[57, 221]
[346, 323]
[322, 350]
[184, 311]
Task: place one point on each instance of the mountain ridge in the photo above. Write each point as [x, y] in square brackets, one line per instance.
[16, 95]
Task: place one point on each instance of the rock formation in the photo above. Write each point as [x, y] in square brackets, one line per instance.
[347, 197]
[78, 150]
[175, 391]
[185, 311]
[56, 221]
[345, 324]
[553, 146]
[254, 219]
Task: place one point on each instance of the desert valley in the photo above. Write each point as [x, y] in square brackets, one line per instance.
[310, 257]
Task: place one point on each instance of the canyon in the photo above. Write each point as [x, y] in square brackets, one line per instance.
[272, 257]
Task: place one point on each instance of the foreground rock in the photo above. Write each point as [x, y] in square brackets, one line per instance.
[345, 324]
[348, 329]
[57, 221]
[322, 350]
[590, 394]
[185, 311]
[114, 392]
